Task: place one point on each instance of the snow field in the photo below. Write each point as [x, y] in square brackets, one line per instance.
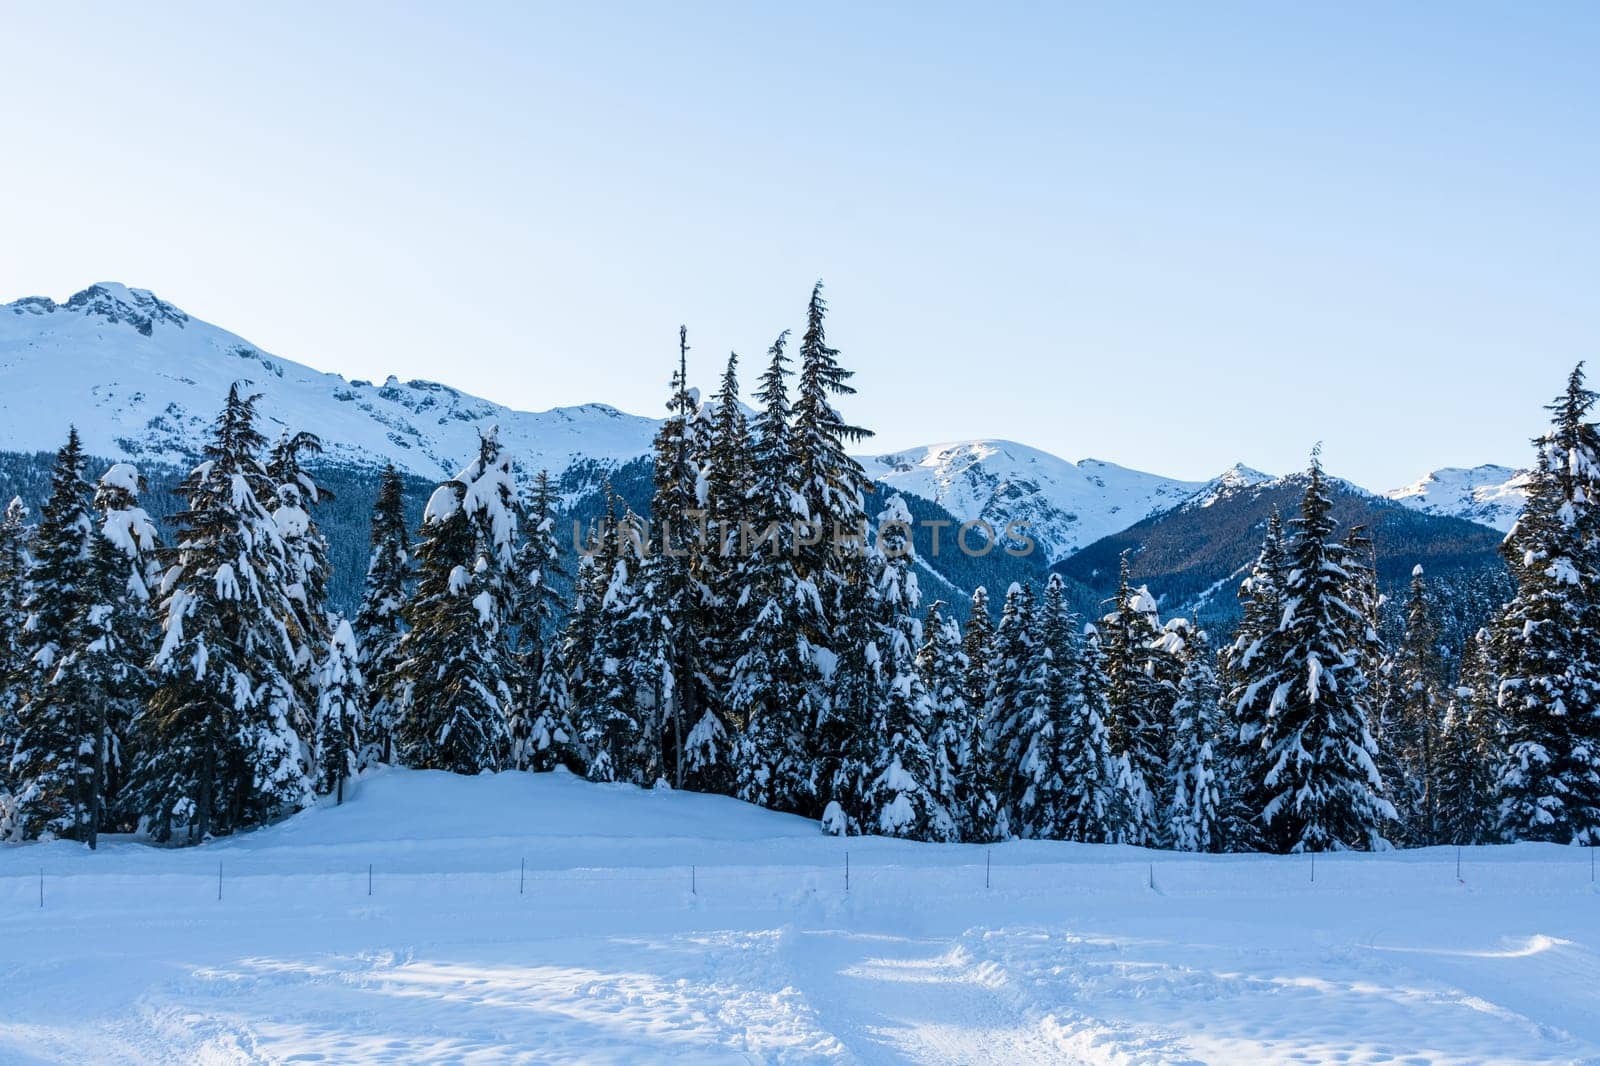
[606, 955]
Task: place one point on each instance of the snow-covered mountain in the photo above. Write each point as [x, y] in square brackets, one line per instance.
[1068, 505]
[1490, 495]
[142, 380]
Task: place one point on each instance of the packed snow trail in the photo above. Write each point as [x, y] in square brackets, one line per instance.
[670, 927]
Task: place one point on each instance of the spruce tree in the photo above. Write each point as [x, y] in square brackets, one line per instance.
[216, 749]
[293, 494]
[1469, 752]
[1006, 711]
[1138, 696]
[114, 637]
[542, 730]
[982, 801]
[678, 583]
[1249, 669]
[775, 687]
[341, 711]
[457, 664]
[379, 625]
[1410, 738]
[58, 737]
[903, 790]
[942, 664]
[1314, 776]
[1103, 797]
[1194, 793]
[15, 562]
[1546, 642]
[1043, 728]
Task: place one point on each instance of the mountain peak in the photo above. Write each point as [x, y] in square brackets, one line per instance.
[111, 300]
[1489, 494]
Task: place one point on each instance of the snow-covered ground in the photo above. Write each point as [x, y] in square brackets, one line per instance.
[661, 926]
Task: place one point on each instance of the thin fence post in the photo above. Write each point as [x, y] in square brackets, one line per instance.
[522, 874]
[986, 856]
[369, 879]
[1152, 876]
[694, 888]
[219, 879]
[846, 871]
[1458, 862]
[1313, 867]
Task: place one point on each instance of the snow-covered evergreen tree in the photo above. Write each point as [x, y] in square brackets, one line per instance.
[1470, 756]
[775, 688]
[57, 738]
[294, 492]
[341, 710]
[982, 800]
[1410, 739]
[1048, 700]
[677, 586]
[15, 563]
[1314, 778]
[1546, 642]
[456, 660]
[942, 663]
[541, 730]
[1249, 674]
[1103, 796]
[1194, 794]
[1006, 712]
[903, 795]
[114, 637]
[379, 624]
[216, 748]
[1141, 677]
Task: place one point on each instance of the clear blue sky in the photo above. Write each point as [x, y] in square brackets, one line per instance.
[1167, 235]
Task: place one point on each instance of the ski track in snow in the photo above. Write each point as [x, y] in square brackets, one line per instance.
[607, 956]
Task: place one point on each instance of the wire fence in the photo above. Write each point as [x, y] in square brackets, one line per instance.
[247, 879]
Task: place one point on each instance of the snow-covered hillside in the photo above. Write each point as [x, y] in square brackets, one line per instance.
[540, 918]
[142, 380]
[1489, 494]
[1068, 505]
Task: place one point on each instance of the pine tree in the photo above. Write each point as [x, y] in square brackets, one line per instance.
[1546, 642]
[1194, 795]
[542, 731]
[294, 492]
[1006, 712]
[831, 482]
[1043, 728]
[982, 800]
[456, 660]
[1139, 696]
[217, 748]
[622, 662]
[774, 690]
[1410, 737]
[379, 626]
[341, 712]
[1249, 671]
[58, 738]
[903, 791]
[15, 563]
[942, 665]
[1103, 796]
[678, 583]
[1469, 752]
[114, 637]
[1314, 778]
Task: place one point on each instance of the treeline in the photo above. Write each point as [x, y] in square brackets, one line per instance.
[760, 636]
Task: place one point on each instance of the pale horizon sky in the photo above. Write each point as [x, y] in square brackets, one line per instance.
[1170, 236]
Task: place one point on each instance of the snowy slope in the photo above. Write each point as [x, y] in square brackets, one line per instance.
[1069, 505]
[1491, 495]
[142, 380]
[673, 927]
